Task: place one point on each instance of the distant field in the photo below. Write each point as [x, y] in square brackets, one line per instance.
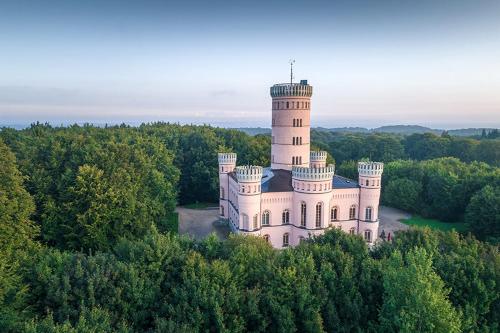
[435, 224]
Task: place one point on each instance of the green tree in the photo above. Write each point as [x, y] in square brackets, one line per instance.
[483, 214]
[415, 297]
[403, 193]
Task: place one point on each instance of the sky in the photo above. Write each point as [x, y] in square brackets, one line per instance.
[371, 63]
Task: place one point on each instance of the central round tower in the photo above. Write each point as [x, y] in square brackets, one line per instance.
[290, 125]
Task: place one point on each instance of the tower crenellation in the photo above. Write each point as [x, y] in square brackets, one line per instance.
[313, 174]
[317, 159]
[249, 173]
[370, 169]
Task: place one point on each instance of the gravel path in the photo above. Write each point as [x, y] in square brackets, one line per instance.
[199, 223]
[389, 219]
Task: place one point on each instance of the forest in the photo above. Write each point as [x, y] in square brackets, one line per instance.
[88, 242]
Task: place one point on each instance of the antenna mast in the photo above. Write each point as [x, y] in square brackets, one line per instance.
[292, 61]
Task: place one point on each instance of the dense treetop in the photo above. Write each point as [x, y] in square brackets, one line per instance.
[85, 244]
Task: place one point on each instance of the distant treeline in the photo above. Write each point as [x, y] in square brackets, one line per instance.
[390, 147]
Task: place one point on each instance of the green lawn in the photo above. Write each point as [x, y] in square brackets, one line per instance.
[435, 224]
[200, 205]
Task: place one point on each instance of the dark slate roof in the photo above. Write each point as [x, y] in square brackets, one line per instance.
[281, 181]
[342, 182]
[277, 181]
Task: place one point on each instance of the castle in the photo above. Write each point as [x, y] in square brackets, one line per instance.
[299, 196]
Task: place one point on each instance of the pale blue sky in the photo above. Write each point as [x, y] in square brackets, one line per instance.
[372, 63]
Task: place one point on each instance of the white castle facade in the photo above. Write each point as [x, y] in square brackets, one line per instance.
[298, 196]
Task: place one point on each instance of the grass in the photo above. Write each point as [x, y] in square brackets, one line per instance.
[435, 224]
[200, 205]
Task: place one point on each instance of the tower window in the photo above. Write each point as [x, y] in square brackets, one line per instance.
[222, 192]
[265, 218]
[352, 212]
[319, 213]
[303, 212]
[255, 221]
[368, 236]
[294, 123]
[367, 182]
[285, 218]
[368, 214]
[287, 105]
[300, 140]
[300, 122]
[352, 231]
[334, 214]
[285, 239]
[245, 222]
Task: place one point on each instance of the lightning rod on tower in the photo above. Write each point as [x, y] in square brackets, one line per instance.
[292, 61]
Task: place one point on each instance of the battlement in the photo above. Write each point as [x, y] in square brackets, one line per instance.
[248, 173]
[317, 156]
[316, 174]
[227, 158]
[370, 169]
[301, 89]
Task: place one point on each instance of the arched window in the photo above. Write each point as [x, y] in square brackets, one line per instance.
[265, 218]
[285, 239]
[352, 231]
[256, 221]
[352, 212]
[285, 217]
[368, 236]
[245, 222]
[293, 160]
[319, 214]
[287, 105]
[300, 160]
[266, 238]
[378, 182]
[367, 182]
[303, 213]
[222, 192]
[368, 214]
[300, 123]
[222, 210]
[294, 123]
[334, 214]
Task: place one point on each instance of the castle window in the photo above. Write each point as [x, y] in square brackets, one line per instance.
[293, 141]
[303, 212]
[302, 104]
[293, 105]
[368, 236]
[287, 105]
[265, 218]
[222, 192]
[367, 182]
[378, 182]
[352, 231]
[352, 212]
[285, 218]
[319, 213]
[300, 122]
[266, 238]
[300, 140]
[245, 222]
[373, 182]
[368, 214]
[300, 160]
[256, 221]
[274, 121]
[334, 214]
[222, 210]
[285, 239]
[242, 189]
[294, 123]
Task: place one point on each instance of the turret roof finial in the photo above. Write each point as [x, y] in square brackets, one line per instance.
[292, 61]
